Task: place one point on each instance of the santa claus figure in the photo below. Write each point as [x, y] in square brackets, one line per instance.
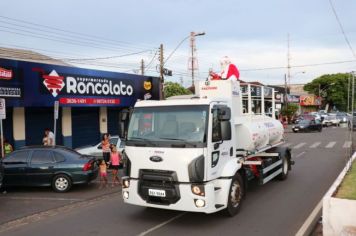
[228, 71]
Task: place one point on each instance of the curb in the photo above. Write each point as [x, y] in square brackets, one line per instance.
[309, 224]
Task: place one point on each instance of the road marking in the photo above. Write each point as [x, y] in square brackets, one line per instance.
[300, 154]
[310, 222]
[162, 224]
[299, 145]
[347, 144]
[315, 145]
[286, 145]
[330, 145]
[44, 198]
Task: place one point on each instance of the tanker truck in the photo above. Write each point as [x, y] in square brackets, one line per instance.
[199, 153]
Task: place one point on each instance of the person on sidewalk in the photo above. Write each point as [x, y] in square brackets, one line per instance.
[105, 145]
[115, 159]
[50, 137]
[103, 174]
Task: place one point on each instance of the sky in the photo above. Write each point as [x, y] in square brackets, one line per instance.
[254, 34]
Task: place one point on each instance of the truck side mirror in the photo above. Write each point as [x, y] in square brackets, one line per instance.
[224, 113]
[225, 130]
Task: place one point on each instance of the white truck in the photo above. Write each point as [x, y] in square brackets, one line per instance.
[198, 154]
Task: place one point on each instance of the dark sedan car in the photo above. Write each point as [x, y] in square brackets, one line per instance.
[59, 167]
[308, 125]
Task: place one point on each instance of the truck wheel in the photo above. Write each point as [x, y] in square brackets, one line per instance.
[236, 195]
[61, 183]
[285, 170]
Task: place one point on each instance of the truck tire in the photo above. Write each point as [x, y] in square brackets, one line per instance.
[285, 168]
[235, 197]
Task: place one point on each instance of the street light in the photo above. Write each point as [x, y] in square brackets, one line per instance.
[192, 45]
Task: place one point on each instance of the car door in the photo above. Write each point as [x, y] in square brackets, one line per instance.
[15, 165]
[41, 168]
[222, 147]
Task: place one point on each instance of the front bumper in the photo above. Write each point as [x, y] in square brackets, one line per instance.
[215, 198]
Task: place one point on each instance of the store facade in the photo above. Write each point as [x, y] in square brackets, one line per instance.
[90, 101]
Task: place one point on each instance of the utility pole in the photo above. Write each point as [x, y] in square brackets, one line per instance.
[142, 67]
[288, 59]
[285, 91]
[161, 66]
[192, 46]
[348, 93]
[181, 80]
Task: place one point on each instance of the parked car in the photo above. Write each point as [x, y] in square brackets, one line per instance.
[57, 166]
[96, 150]
[342, 116]
[331, 119]
[308, 125]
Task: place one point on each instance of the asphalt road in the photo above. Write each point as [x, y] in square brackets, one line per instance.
[277, 208]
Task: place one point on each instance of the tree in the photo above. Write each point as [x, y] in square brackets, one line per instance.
[174, 89]
[289, 110]
[332, 88]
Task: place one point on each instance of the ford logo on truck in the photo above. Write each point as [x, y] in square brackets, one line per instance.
[156, 159]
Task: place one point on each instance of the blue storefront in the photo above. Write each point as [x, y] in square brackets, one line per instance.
[90, 101]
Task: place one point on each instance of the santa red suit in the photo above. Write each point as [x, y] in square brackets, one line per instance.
[229, 71]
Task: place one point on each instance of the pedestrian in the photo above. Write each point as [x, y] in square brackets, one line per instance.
[105, 146]
[7, 147]
[50, 137]
[103, 174]
[115, 160]
[45, 140]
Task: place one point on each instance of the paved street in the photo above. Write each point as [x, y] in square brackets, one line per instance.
[278, 208]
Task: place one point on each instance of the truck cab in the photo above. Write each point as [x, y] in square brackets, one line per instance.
[192, 154]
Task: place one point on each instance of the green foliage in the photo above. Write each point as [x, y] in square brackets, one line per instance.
[290, 110]
[333, 89]
[174, 89]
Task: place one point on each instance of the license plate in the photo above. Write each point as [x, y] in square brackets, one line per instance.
[296, 129]
[156, 193]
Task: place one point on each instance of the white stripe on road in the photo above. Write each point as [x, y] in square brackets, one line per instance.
[299, 145]
[162, 224]
[300, 154]
[347, 144]
[330, 145]
[286, 145]
[315, 145]
[44, 198]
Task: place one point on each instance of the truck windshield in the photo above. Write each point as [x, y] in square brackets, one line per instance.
[173, 126]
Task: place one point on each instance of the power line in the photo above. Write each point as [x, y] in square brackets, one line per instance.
[342, 29]
[91, 37]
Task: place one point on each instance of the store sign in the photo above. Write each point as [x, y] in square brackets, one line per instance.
[293, 98]
[5, 74]
[41, 84]
[310, 100]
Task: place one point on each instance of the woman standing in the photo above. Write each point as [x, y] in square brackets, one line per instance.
[105, 145]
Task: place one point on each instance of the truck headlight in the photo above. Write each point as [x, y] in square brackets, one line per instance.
[199, 203]
[125, 183]
[125, 194]
[198, 190]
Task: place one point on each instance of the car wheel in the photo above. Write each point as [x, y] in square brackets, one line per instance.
[285, 169]
[236, 195]
[61, 183]
[294, 131]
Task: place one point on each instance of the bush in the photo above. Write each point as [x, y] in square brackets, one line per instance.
[289, 110]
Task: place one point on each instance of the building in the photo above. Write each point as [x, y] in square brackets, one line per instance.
[90, 101]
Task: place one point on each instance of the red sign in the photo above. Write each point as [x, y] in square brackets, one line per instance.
[86, 101]
[310, 100]
[5, 74]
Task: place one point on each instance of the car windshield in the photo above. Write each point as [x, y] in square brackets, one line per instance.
[168, 126]
[304, 122]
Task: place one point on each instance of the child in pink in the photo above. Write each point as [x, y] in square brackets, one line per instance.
[115, 163]
[103, 174]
